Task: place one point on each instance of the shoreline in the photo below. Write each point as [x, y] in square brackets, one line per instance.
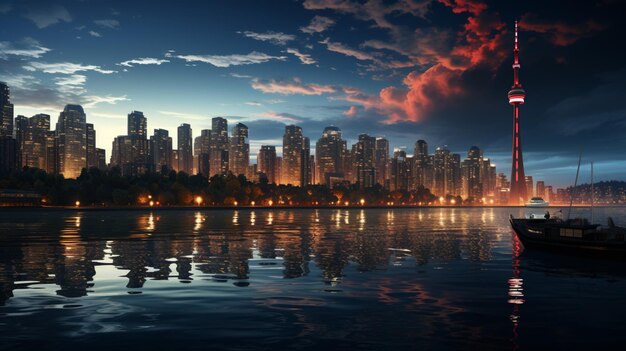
[260, 207]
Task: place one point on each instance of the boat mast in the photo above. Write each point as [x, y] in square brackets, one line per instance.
[592, 195]
[571, 195]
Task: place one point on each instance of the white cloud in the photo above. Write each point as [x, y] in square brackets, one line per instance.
[27, 47]
[277, 38]
[318, 24]
[243, 76]
[44, 15]
[253, 103]
[107, 115]
[4, 8]
[185, 115]
[21, 81]
[95, 34]
[279, 116]
[143, 61]
[345, 50]
[93, 100]
[232, 60]
[107, 23]
[73, 84]
[295, 87]
[304, 58]
[64, 68]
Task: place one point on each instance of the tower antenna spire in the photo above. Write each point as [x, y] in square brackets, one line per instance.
[517, 96]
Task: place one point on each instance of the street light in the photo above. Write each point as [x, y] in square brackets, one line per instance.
[198, 200]
[362, 201]
[77, 203]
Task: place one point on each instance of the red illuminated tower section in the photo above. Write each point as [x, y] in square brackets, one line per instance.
[517, 95]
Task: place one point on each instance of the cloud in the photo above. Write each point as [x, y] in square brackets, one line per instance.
[276, 38]
[291, 87]
[95, 34]
[280, 116]
[345, 50]
[351, 112]
[242, 76]
[143, 61]
[232, 60]
[108, 115]
[27, 47]
[107, 23]
[275, 101]
[44, 15]
[93, 100]
[253, 103]
[560, 33]
[318, 24]
[64, 68]
[4, 8]
[185, 115]
[304, 58]
[73, 84]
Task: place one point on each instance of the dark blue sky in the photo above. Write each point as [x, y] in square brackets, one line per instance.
[407, 70]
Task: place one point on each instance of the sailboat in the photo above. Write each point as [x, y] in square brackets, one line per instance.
[573, 235]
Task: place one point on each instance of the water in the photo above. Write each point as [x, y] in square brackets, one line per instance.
[299, 279]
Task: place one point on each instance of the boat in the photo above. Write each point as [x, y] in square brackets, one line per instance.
[537, 202]
[573, 235]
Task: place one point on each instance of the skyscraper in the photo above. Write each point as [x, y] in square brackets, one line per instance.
[399, 170]
[382, 161]
[161, 149]
[139, 147]
[446, 172]
[71, 131]
[219, 146]
[293, 142]
[517, 95]
[423, 165]
[92, 156]
[185, 149]
[6, 111]
[364, 160]
[20, 127]
[305, 162]
[202, 150]
[330, 150]
[472, 184]
[239, 154]
[266, 162]
[101, 156]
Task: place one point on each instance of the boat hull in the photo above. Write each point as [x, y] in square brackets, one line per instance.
[539, 241]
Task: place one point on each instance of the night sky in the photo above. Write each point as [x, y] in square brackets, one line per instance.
[406, 70]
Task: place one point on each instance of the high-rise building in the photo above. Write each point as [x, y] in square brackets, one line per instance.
[517, 95]
[138, 133]
[185, 149]
[330, 151]
[202, 150]
[21, 129]
[121, 153]
[71, 131]
[293, 143]
[8, 145]
[52, 152]
[279, 170]
[471, 181]
[364, 160]
[92, 156]
[219, 149]
[423, 165]
[530, 185]
[101, 162]
[399, 170]
[266, 162]
[38, 126]
[541, 189]
[382, 161]
[161, 149]
[305, 162]
[6, 111]
[446, 172]
[239, 154]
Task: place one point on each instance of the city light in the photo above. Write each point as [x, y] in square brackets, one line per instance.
[77, 203]
[270, 202]
[362, 201]
[199, 200]
[151, 203]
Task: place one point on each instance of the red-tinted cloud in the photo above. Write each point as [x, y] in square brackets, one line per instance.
[560, 33]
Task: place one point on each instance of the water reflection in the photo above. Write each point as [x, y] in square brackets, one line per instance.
[445, 265]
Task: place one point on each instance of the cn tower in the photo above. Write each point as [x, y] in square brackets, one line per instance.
[517, 95]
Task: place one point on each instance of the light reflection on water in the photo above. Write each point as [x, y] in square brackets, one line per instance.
[344, 278]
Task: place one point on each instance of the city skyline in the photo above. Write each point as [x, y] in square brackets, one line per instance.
[276, 86]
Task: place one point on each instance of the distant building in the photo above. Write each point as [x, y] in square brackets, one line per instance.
[399, 171]
[239, 153]
[541, 189]
[382, 162]
[330, 151]
[446, 172]
[92, 157]
[530, 186]
[202, 149]
[364, 160]
[305, 162]
[6, 111]
[293, 143]
[185, 149]
[266, 162]
[219, 147]
[161, 149]
[471, 181]
[101, 157]
[71, 132]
